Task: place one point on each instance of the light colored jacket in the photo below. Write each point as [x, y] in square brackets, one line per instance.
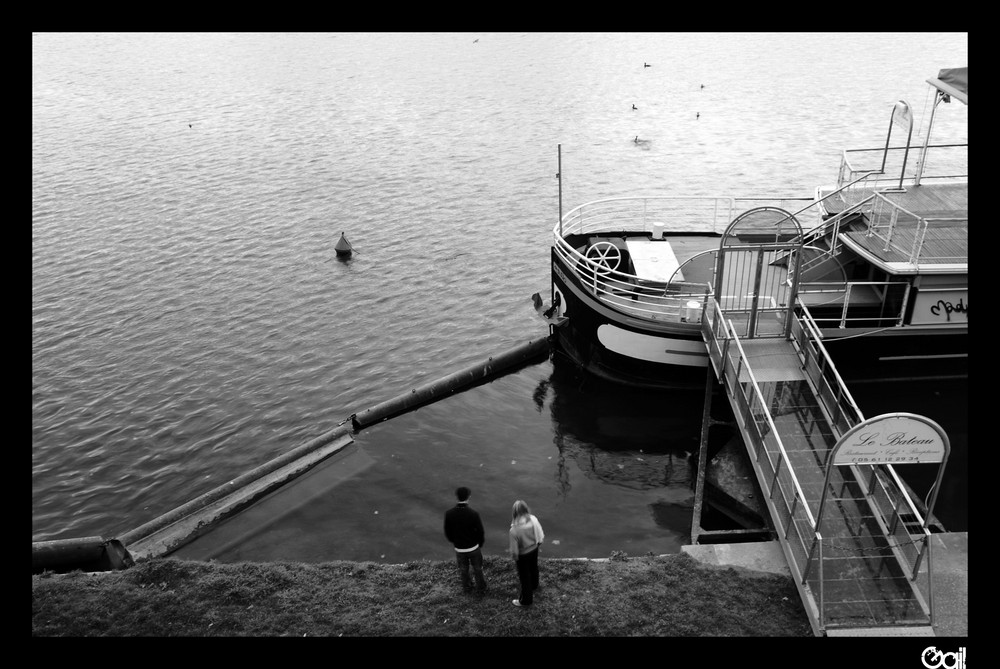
[525, 535]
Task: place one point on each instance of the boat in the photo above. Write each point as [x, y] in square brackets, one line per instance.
[876, 263]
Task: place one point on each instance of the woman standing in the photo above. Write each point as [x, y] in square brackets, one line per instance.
[525, 537]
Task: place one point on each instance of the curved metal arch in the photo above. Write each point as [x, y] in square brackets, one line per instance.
[759, 224]
[758, 231]
[698, 258]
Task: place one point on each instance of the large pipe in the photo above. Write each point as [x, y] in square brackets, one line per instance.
[449, 384]
[86, 554]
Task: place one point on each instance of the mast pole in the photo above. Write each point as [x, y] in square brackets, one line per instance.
[559, 177]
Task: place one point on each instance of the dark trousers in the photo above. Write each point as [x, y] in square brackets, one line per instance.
[472, 559]
[527, 573]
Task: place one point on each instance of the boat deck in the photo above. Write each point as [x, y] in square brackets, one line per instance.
[944, 241]
[940, 245]
[945, 200]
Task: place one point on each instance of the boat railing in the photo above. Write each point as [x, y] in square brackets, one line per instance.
[947, 162]
[671, 214]
[677, 301]
[893, 298]
[682, 306]
[905, 233]
[793, 518]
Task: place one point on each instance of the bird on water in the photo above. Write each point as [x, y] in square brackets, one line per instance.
[646, 65]
[634, 107]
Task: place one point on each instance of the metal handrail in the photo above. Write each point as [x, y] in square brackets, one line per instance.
[822, 229]
[817, 202]
[650, 209]
[844, 289]
[919, 224]
[809, 324]
[599, 212]
[625, 291]
[848, 166]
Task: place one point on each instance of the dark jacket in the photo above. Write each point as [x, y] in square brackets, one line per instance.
[463, 527]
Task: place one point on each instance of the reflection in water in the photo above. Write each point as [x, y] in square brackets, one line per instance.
[539, 395]
[671, 516]
[635, 439]
[609, 467]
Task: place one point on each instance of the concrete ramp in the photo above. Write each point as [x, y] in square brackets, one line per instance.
[170, 532]
[762, 556]
[255, 527]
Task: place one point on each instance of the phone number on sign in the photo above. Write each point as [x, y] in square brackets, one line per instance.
[887, 459]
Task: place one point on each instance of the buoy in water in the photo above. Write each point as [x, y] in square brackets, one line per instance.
[343, 246]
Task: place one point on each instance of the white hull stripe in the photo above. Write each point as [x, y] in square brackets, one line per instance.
[666, 350]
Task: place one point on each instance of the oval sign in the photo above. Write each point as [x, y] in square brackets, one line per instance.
[893, 439]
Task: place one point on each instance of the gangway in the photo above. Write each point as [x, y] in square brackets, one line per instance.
[856, 544]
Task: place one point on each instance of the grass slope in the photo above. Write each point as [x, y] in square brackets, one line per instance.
[647, 596]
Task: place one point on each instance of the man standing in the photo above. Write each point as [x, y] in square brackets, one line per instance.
[464, 529]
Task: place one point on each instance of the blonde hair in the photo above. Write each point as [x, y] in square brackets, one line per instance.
[520, 509]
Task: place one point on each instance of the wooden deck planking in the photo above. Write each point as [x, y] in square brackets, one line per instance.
[941, 245]
[934, 200]
[926, 200]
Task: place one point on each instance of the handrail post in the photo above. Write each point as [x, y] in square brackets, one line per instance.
[918, 241]
[777, 468]
[893, 218]
[906, 301]
[791, 515]
[822, 608]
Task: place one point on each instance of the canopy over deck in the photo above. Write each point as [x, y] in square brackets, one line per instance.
[954, 82]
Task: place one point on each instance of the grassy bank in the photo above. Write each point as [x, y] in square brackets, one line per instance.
[624, 596]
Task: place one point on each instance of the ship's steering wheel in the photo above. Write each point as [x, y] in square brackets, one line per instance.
[606, 255]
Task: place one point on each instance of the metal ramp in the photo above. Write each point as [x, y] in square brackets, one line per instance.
[851, 534]
[856, 565]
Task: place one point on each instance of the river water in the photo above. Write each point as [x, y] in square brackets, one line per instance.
[190, 320]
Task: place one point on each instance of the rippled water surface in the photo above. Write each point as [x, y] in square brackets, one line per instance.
[190, 320]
